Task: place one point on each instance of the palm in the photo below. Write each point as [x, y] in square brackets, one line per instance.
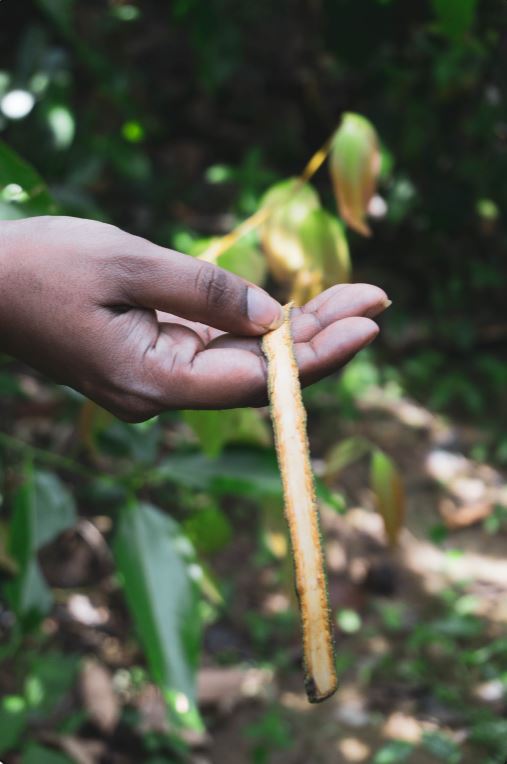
[207, 368]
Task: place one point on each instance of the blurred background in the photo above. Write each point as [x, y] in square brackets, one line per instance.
[137, 558]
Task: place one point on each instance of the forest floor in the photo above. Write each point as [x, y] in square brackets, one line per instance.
[420, 628]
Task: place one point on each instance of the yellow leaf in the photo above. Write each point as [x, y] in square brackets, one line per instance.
[355, 166]
[389, 491]
[280, 232]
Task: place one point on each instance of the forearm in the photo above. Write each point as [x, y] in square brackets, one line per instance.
[5, 265]
[11, 290]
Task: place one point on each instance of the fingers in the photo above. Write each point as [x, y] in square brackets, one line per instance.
[232, 377]
[338, 302]
[161, 279]
[331, 348]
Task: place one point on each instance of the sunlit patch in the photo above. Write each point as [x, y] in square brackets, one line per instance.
[490, 692]
[181, 703]
[127, 12]
[377, 207]
[17, 104]
[62, 124]
[195, 572]
[82, 610]
[14, 704]
[132, 131]
[13, 192]
[354, 750]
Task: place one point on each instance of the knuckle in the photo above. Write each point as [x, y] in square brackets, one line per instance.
[214, 284]
[134, 410]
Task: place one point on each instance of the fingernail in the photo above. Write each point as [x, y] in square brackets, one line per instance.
[263, 310]
[378, 308]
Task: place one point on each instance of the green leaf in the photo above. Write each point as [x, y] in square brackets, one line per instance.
[280, 234]
[38, 754]
[325, 247]
[43, 508]
[215, 429]
[60, 11]
[455, 17]
[158, 570]
[388, 488]
[209, 529]
[22, 192]
[247, 472]
[394, 752]
[50, 677]
[244, 258]
[344, 453]
[13, 719]
[354, 165]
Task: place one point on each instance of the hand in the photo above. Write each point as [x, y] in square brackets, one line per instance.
[140, 329]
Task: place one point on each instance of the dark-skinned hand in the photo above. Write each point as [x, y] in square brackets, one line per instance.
[141, 329]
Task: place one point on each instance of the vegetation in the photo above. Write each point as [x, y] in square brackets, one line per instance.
[134, 556]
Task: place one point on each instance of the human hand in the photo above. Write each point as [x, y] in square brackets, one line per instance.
[140, 329]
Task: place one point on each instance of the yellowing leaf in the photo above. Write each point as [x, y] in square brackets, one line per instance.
[355, 166]
[389, 491]
[242, 258]
[280, 233]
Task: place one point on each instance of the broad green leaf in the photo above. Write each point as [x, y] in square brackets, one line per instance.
[13, 719]
[158, 570]
[326, 255]
[344, 453]
[455, 17]
[50, 676]
[38, 754]
[388, 488]
[244, 258]
[43, 508]
[60, 11]
[394, 752]
[355, 166]
[325, 246]
[208, 529]
[247, 472]
[22, 192]
[280, 233]
[215, 429]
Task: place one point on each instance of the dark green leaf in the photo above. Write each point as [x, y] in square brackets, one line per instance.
[13, 718]
[22, 192]
[38, 754]
[455, 17]
[217, 428]
[158, 571]
[242, 471]
[60, 11]
[43, 508]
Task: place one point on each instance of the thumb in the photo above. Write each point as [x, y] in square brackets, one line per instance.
[169, 281]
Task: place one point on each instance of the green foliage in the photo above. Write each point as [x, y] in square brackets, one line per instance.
[42, 508]
[158, 571]
[455, 17]
[233, 113]
[38, 754]
[395, 752]
[216, 429]
[389, 492]
[22, 191]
